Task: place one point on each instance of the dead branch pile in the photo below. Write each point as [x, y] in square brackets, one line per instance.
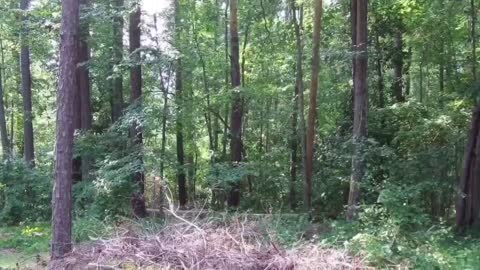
[207, 245]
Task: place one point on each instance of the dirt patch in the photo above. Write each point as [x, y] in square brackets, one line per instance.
[208, 245]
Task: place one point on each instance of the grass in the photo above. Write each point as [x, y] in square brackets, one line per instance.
[23, 246]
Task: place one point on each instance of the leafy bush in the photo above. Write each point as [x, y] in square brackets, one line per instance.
[25, 194]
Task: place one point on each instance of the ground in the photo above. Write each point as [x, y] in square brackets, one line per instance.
[194, 241]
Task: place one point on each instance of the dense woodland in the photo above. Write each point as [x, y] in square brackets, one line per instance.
[362, 115]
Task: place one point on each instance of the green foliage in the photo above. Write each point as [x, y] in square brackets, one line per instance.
[116, 161]
[25, 194]
[89, 228]
[29, 239]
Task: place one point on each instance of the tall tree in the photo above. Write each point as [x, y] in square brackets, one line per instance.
[181, 175]
[29, 152]
[312, 110]
[117, 81]
[360, 108]
[83, 83]
[298, 127]
[236, 117]
[138, 200]
[3, 118]
[62, 189]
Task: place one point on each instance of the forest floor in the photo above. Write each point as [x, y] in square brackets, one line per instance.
[195, 241]
[219, 240]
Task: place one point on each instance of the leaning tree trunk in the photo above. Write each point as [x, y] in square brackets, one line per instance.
[468, 204]
[138, 199]
[236, 144]
[29, 152]
[312, 110]
[360, 109]
[62, 189]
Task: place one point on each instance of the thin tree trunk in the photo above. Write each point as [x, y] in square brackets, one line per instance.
[360, 110]
[181, 175]
[421, 81]
[83, 77]
[236, 144]
[474, 38]
[298, 129]
[408, 75]
[62, 189]
[138, 199]
[117, 81]
[227, 81]
[312, 110]
[164, 86]
[82, 104]
[381, 80]
[29, 152]
[164, 126]
[3, 118]
[398, 67]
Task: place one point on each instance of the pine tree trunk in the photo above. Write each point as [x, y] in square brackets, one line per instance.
[298, 127]
[3, 117]
[360, 110]
[398, 67]
[381, 81]
[236, 144]
[181, 174]
[312, 110]
[83, 76]
[29, 152]
[117, 81]
[138, 199]
[62, 189]
[474, 38]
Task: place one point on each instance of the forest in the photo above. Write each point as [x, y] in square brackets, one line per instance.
[239, 134]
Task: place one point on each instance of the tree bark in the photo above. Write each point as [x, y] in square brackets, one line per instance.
[236, 144]
[138, 200]
[181, 174]
[381, 80]
[82, 103]
[468, 203]
[62, 189]
[117, 81]
[360, 110]
[3, 118]
[29, 152]
[83, 77]
[474, 38]
[298, 126]
[398, 67]
[312, 110]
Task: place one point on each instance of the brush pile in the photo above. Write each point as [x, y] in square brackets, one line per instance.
[236, 244]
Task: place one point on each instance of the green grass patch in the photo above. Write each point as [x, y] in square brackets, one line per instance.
[27, 239]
